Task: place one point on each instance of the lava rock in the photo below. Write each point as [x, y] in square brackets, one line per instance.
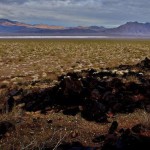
[10, 103]
[144, 63]
[113, 127]
[71, 111]
[5, 127]
[137, 128]
[99, 139]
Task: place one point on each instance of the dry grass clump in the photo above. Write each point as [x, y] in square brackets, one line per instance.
[140, 116]
[32, 131]
[145, 118]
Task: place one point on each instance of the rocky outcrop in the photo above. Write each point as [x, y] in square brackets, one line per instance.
[95, 94]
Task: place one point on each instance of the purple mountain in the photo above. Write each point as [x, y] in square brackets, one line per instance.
[8, 27]
[131, 28]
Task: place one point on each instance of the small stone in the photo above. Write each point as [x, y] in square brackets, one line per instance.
[49, 121]
[137, 128]
[74, 134]
[99, 139]
[113, 127]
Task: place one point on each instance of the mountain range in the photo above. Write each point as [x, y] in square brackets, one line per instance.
[8, 27]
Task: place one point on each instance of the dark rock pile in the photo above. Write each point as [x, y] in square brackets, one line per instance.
[95, 94]
[108, 91]
[144, 64]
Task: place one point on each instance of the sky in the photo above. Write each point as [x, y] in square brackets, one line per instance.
[108, 13]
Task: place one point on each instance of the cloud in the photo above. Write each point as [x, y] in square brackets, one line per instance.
[76, 12]
[13, 1]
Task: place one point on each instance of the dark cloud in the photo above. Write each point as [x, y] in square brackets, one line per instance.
[76, 12]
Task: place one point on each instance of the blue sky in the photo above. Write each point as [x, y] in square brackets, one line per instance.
[108, 13]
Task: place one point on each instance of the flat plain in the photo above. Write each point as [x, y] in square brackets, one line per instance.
[37, 57]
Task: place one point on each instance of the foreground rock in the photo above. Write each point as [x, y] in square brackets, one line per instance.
[5, 127]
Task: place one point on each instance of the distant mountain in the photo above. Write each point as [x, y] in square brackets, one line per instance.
[131, 28]
[8, 27]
